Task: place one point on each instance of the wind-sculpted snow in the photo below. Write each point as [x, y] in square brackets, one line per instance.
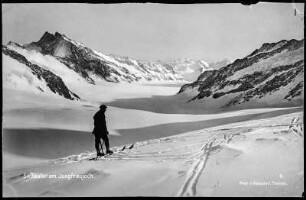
[272, 74]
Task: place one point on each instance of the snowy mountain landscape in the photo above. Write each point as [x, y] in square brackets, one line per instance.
[272, 74]
[178, 127]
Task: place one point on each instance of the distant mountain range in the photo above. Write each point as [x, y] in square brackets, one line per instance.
[188, 68]
[66, 60]
[271, 75]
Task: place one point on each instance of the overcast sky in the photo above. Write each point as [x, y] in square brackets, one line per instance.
[210, 32]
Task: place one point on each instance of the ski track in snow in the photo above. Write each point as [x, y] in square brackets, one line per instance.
[296, 128]
[194, 173]
[125, 153]
[189, 187]
[198, 159]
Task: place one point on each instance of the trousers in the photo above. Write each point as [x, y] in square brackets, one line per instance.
[98, 142]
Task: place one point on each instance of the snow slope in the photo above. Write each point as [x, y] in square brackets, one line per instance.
[24, 75]
[238, 159]
[271, 75]
[69, 76]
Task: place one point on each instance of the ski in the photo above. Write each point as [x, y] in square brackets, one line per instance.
[105, 156]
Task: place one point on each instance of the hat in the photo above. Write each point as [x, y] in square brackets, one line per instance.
[103, 106]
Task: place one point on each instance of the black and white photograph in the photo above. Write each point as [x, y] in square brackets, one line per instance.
[153, 99]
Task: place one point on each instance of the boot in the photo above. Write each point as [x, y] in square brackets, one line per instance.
[108, 151]
[99, 154]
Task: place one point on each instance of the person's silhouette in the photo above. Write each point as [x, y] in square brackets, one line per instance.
[100, 131]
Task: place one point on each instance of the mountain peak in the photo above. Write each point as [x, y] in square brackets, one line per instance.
[57, 34]
[10, 43]
[47, 37]
[46, 33]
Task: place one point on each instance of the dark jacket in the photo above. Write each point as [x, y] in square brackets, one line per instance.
[100, 128]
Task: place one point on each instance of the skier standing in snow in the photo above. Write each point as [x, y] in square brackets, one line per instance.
[100, 131]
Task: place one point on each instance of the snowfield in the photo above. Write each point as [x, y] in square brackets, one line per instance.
[259, 157]
[213, 154]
